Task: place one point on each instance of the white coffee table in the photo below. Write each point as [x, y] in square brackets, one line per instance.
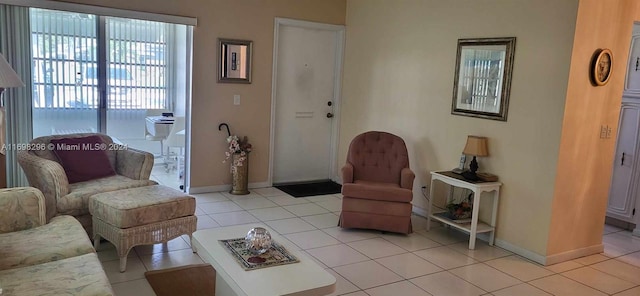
[303, 278]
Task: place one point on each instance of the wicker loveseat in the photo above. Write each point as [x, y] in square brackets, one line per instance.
[44, 171]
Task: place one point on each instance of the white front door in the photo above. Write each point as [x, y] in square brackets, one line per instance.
[307, 71]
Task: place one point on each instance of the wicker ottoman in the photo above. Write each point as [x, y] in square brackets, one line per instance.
[141, 216]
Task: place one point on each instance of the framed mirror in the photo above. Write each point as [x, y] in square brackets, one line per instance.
[482, 79]
[234, 60]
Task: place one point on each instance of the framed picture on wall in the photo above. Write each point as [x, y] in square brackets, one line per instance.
[482, 80]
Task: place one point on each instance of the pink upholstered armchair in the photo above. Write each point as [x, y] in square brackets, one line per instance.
[377, 183]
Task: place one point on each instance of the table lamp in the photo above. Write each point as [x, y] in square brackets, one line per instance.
[476, 146]
[8, 78]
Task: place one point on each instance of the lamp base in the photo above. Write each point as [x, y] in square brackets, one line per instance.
[471, 176]
[473, 168]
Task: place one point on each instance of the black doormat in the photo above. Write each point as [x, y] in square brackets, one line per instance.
[311, 189]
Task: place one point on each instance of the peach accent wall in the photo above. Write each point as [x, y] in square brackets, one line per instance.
[213, 102]
[585, 161]
[398, 77]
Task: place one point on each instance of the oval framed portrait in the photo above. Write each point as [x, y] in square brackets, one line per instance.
[601, 66]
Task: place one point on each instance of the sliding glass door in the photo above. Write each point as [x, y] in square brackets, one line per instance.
[95, 73]
[63, 43]
[106, 74]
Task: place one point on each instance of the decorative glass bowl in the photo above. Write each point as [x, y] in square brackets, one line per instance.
[257, 241]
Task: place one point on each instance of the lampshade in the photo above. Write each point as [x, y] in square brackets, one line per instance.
[8, 77]
[476, 146]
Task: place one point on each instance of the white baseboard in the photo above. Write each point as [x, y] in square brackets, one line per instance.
[226, 187]
[573, 254]
[533, 256]
[419, 211]
[500, 243]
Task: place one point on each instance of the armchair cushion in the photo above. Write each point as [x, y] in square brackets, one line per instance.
[80, 275]
[377, 191]
[77, 201]
[21, 208]
[83, 158]
[63, 237]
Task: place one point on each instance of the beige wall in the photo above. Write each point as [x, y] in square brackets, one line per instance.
[213, 102]
[584, 169]
[398, 77]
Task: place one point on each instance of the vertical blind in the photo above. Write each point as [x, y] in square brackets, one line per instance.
[66, 67]
[62, 44]
[138, 60]
[14, 44]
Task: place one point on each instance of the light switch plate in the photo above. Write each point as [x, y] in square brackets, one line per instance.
[236, 99]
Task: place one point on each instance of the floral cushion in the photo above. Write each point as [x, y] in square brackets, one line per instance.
[62, 238]
[80, 275]
[77, 201]
[21, 208]
[141, 206]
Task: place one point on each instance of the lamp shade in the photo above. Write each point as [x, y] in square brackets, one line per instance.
[476, 146]
[8, 77]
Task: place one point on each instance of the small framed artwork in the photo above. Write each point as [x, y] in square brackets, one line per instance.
[234, 60]
[482, 80]
[601, 65]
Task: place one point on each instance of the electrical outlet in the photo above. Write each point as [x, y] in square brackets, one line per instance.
[236, 99]
[605, 132]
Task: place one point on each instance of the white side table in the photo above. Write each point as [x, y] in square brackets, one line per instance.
[478, 188]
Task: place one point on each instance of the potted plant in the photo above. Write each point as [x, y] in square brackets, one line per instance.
[462, 210]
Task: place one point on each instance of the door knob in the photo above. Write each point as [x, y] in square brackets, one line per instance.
[329, 115]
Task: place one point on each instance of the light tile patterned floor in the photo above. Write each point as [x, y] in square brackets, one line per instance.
[378, 264]
[168, 177]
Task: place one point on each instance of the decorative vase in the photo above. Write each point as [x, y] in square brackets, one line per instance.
[257, 241]
[240, 175]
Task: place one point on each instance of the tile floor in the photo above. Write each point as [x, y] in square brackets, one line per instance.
[374, 263]
[162, 175]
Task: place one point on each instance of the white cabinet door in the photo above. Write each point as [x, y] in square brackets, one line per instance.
[624, 185]
[632, 84]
